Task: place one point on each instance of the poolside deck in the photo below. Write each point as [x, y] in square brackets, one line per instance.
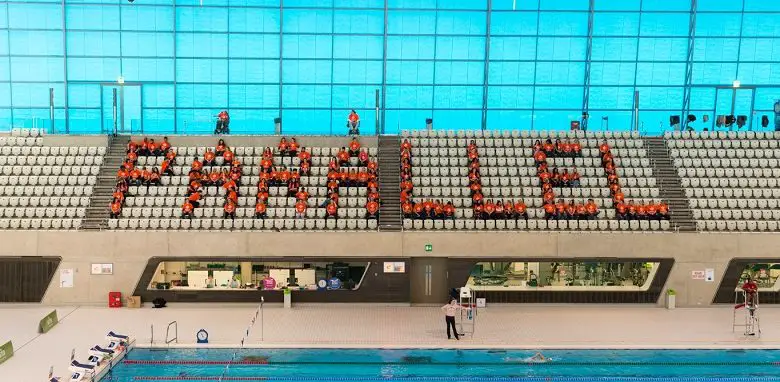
[511, 326]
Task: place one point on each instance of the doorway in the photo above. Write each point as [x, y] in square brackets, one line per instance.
[736, 101]
[429, 280]
[120, 109]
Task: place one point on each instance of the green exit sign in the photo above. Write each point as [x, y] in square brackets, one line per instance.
[428, 247]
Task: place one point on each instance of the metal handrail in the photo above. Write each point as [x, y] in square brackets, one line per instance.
[175, 333]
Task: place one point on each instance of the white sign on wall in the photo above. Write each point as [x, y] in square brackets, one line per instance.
[709, 275]
[103, 269]
[66, 278]
[697, 275]
[395, 267]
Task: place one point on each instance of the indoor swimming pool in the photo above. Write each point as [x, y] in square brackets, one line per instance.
[446, 365]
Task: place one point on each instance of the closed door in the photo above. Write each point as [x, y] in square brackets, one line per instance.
[121, 108]
[429, 280]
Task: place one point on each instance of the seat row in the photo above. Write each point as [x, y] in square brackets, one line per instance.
[462, 161]
[20, 141]
[732, 167]
[48, 180]
[435, 180]
[535, 134]
[46, 191]
[721, 135]
[726, 153]
[306, 181]
[45, 224]
[244, 224]
[41, 212]
[53, 151]
[737, 193]
[27, 132]
[68, 161]
[248, 161]
[759, 203]
[210, 212]
[44, 201]
[573, 225]
[737, 225]
[316, 152]
[602, 203]
[179, 191]
[172, 201]
[736, 214]
[246, 170]
[506, 145]
[49, 170]
[598, 192]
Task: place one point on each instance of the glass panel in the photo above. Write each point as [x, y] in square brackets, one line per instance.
[562, 276]
[251, 276]
[765, 276]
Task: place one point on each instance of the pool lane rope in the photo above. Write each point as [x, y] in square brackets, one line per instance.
[508, 363]
[224, 377]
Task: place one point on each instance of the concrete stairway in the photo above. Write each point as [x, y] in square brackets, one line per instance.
[390, 183]
[669, 184]
[97, 214]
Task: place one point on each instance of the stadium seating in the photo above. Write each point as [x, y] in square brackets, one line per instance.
[45, 187]
[159, 207]
[730, 178]
[439, 172]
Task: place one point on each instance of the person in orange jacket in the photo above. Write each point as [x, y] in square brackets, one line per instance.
[230, 210]
[353, 123]
[116, 209]
[186, 210]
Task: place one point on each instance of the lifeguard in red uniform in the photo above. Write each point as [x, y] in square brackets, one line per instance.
[751, 289]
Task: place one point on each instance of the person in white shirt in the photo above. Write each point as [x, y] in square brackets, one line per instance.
[449, 317]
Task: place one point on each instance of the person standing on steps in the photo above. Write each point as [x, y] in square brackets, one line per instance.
[449, 317]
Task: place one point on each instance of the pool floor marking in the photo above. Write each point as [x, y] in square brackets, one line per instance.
[186, 378]
[191, 362]
[463, 378]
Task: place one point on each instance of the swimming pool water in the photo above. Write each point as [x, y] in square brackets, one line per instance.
[300, 365]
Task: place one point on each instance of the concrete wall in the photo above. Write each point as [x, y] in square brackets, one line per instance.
[75, 140]
[129, 252]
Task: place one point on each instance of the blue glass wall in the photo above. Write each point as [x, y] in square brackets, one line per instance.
[499, 64]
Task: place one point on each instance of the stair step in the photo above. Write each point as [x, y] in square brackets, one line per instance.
[96, 217]
[670, 184]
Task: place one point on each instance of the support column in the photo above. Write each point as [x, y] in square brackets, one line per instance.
[384, 72]
[588, 56]
[487, 65]
[246, 272]
[686, 106]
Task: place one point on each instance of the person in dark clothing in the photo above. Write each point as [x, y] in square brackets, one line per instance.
[449, 317]
[223, 123]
